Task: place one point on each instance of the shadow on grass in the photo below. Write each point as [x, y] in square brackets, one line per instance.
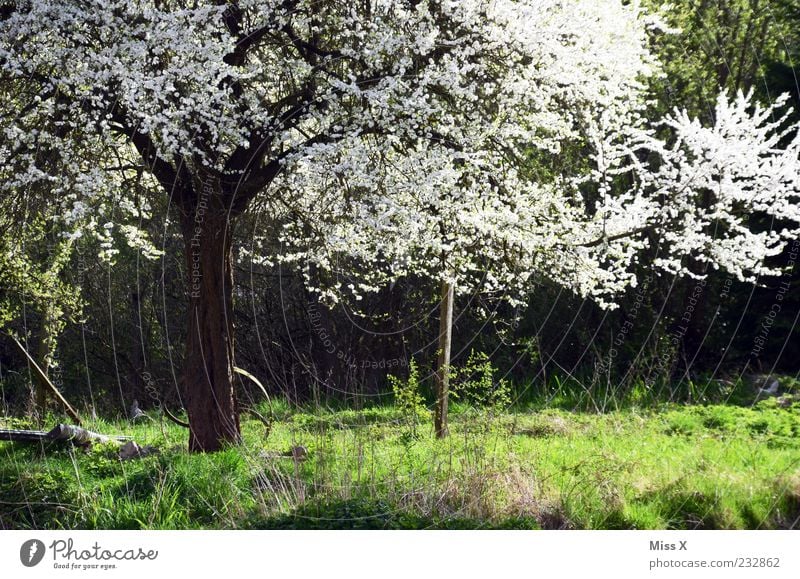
[358, 514]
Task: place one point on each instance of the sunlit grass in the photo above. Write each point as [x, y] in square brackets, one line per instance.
[670, 466]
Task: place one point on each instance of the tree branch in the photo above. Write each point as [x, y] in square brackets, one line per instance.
[617, 237]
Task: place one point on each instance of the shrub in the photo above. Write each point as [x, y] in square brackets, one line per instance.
[474, 384]
[408, 399]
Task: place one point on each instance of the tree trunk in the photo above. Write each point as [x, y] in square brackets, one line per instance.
[443, 364]
[208, 366]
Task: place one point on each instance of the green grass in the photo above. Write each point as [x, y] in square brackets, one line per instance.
[665, 466]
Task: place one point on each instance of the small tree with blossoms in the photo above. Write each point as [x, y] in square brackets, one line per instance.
[478, 230]
[475, 222]
[398, 133]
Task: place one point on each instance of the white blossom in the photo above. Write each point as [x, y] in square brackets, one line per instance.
[420, 137]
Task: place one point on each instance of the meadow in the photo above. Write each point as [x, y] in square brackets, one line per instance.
[553, 463]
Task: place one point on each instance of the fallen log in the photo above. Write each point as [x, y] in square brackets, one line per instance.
[61, 432]
[23, 435]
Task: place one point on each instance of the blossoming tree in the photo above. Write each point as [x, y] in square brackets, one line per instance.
[493, 231]
[468, 208]
[407, 134]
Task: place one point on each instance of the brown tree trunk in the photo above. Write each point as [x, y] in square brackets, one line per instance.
[208, 366]
[443, 364]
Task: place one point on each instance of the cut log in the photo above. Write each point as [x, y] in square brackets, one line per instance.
[80, 435]
[23, 435]
[62, 432]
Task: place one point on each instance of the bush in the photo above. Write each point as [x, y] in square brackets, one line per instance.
[474, 384]
[408, 399]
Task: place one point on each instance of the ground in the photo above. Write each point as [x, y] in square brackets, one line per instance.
[667, 466]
